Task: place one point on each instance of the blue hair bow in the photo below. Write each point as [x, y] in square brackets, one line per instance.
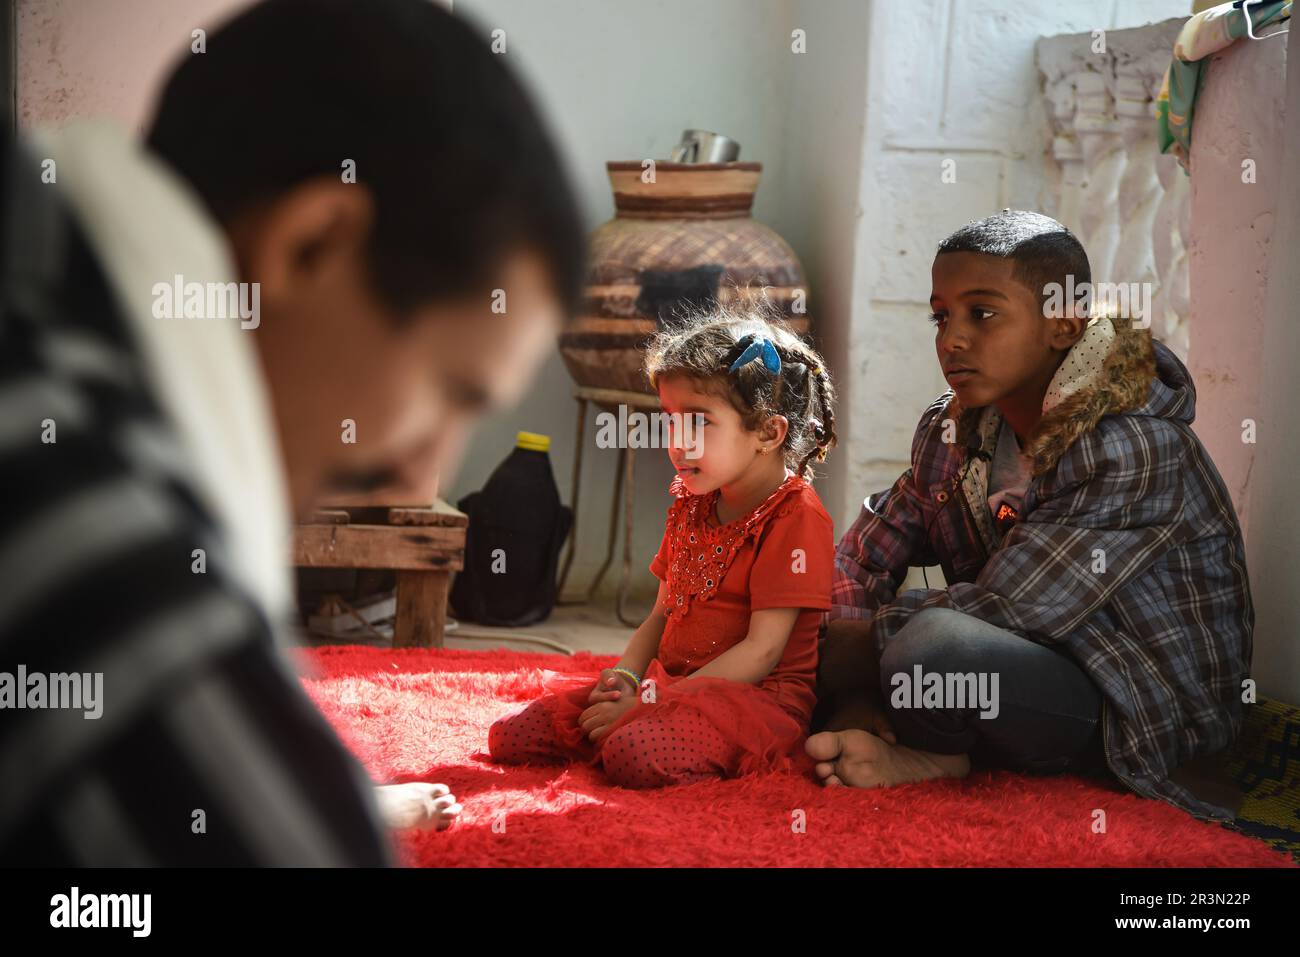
[753, 347]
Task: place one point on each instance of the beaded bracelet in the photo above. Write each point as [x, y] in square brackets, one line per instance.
[628, 674]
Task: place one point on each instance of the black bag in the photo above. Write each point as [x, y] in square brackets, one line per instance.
[517, 527]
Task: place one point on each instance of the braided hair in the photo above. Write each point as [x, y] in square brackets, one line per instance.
[702, 345]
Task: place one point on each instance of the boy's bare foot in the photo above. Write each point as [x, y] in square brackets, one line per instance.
[417, 805]
[862, 760]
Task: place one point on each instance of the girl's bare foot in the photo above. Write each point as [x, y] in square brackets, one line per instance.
[862, 760]
[417, 805]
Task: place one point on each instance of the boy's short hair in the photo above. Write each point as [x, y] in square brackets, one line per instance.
[1041, 249]
[462, 171]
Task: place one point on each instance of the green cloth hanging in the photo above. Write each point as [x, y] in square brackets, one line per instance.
[1207, 32]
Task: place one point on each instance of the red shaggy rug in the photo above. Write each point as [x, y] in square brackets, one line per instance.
[424, 715]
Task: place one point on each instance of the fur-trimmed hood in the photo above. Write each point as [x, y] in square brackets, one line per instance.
[1114, 367]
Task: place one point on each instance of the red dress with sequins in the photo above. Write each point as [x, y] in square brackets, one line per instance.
[780, 555]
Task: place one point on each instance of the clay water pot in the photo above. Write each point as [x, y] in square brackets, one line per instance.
[680, 240]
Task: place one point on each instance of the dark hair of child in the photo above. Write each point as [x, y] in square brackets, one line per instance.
[702, 345]
[1042, 250]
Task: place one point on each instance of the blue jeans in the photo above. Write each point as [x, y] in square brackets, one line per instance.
[1035, 709]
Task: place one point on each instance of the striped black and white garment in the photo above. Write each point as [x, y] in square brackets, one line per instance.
[207, 751]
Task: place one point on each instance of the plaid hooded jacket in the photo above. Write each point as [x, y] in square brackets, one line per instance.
[1128, 554]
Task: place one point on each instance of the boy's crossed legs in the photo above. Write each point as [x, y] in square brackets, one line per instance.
[1044, 715]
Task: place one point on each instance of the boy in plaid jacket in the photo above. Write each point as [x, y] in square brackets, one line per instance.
[1097, 605]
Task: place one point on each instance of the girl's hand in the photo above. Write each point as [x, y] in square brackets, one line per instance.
[598, 719]
[610, 686]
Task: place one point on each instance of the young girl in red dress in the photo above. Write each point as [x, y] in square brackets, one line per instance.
[718, 680]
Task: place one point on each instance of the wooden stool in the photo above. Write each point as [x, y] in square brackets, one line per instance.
[422, 544]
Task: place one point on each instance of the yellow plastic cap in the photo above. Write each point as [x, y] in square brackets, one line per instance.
[533, 441]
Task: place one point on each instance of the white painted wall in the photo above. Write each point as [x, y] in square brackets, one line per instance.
[822, 202]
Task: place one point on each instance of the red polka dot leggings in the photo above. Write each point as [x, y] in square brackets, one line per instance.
[678, 747]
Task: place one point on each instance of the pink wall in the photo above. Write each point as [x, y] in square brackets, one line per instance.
[102, 58]
[1239, 116]
[1273, 544]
